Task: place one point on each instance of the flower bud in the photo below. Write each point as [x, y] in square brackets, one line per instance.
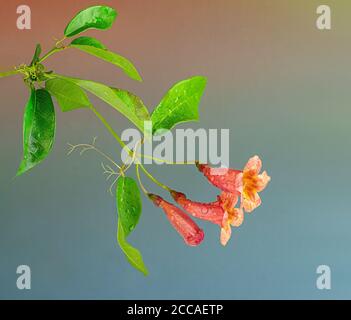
[185, 226]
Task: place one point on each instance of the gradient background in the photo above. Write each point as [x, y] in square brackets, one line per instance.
[279, 84]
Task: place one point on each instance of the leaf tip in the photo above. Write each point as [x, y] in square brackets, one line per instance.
[21, 170]
[138, 78]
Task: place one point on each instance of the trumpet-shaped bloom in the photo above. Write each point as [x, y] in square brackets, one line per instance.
[226, 179]
[221, 212]
[185, 226]
[248, 182]
[253, 183]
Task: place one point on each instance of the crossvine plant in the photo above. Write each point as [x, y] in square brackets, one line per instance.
[180, 104]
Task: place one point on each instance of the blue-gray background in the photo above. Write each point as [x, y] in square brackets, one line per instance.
[280, 85]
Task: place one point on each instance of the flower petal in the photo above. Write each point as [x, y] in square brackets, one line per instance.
[263, 180]
[225, 235]
[254, 164]
[228, 200]
[237, 218]
[250, 205]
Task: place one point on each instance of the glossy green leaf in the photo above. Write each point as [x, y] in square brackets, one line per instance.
[68, 95]
[36, 55]
[114, 58]
[180, 104]
[8, 73]
[134, 103]
[132, 254]
[129, 211]
[88, 41]
[96, 17]
[128, 204]
[38, 129]
[110, 96]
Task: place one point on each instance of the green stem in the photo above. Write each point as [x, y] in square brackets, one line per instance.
[51, 52]
[138, 176]
[123, 145]
[109, 128]
[165, 161]
[59, 41]
[153, 179]
[8, 73]
[54, 50]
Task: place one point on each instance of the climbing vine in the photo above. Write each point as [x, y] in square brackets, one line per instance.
[238, 188]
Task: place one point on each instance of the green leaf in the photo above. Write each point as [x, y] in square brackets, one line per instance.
[36, 55]
[180, 104]
[8, 73]
[129, 211]
[128, 203]
[132, 254]
[88, 41]
[96, 17]
[134, 103]
[111, 97]
[68, 95]
[38, 129]
[114, 58]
